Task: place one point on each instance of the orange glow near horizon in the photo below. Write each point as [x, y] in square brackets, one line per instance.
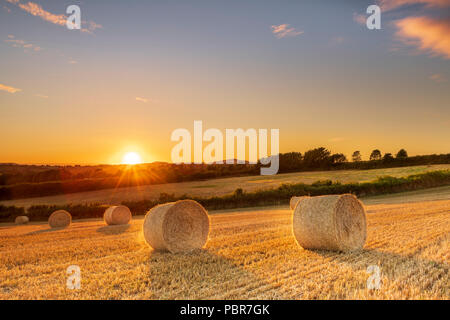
[131, 158]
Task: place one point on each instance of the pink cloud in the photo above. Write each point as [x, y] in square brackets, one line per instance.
[428, 35]
[437, 77]
[387, 5]
[359, 18]
[58, 19]
[9, 89]
[36, 10]
[141, 99]
[283, 31]
[18, 43]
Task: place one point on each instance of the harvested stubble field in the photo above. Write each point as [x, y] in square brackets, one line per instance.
[250, 254]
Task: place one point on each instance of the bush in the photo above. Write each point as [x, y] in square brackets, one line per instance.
[9, 213]
[80, 211]
[322, 183]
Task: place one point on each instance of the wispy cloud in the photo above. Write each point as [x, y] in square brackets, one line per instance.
[283, 31]
[9, 89]
[58, 19]
[387, 5]
[36, 10]
[428, 35]
[141, 99]
[43, 96]
[19, 43]
[437, 77]
[29, 47]
[92, 25]
[359, 18]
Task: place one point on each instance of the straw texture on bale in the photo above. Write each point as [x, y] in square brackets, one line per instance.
[294, 200]
[59, 219]
[334, 222]
[177, 226]
[22, 220]
[117, 215]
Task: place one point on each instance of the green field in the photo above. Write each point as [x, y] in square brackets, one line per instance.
[219, 187]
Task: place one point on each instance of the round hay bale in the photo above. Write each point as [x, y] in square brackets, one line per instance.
[294, 200]
[115, 215]
[177, 226]
[59, 219]
[22, 220]
[334, 222]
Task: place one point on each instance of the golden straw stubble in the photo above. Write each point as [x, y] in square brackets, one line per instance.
[117, 215]
[60, 219]
[177, 226]
[332, 222]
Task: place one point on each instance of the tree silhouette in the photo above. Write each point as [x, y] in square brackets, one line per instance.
[338, 158]
[356, 156]
[375, 155]
[291, 160]
[316, 157]
[388, 157]
[402, 154]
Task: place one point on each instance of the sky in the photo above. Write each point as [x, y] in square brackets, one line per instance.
[138, 70]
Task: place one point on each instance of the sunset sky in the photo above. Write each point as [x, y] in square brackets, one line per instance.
[140, 69]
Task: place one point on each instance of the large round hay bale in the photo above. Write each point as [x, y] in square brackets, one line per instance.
[22, 220]
[115, 215]
[177, 226]
[334, 222]
[294, 200]
[59, 219]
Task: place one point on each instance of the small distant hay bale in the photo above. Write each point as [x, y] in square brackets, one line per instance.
[334, 222]
[294, 200]
[22, 220]
[59, 219]
[177, 226]
[116, 215]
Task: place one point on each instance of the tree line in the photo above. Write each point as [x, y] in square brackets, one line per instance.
[36, 181]
[322, 159]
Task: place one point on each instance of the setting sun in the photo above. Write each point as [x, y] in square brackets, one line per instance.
[131, 158]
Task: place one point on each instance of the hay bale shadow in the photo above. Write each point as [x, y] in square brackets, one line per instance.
[115, 229]
[45, 231]
[200, 274]
[393, 266]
